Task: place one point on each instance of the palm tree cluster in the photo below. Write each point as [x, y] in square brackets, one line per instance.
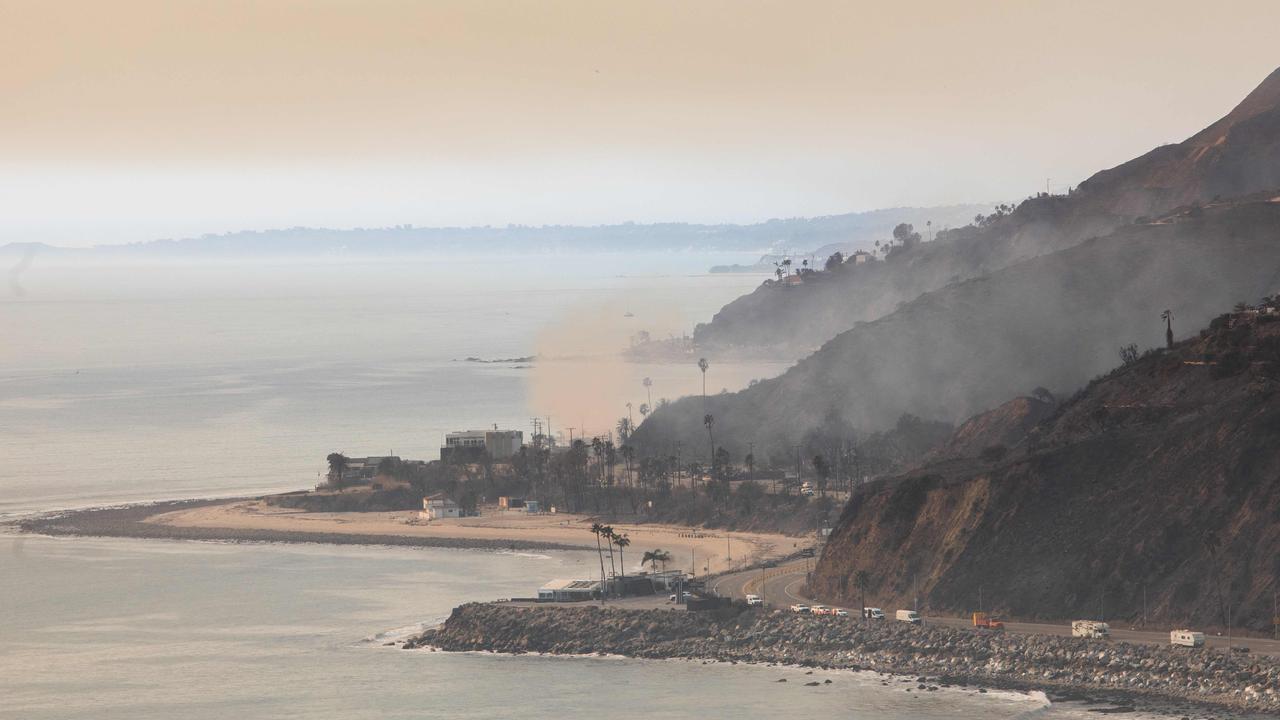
[621, 541]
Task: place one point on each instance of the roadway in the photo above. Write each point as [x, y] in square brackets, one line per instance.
[780, 587]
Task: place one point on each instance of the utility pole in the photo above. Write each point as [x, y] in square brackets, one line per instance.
[1144, 606]
[799, 471]
[980, 609]
[1228, 627]
[728, 550]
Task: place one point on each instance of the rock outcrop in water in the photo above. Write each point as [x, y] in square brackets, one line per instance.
[951, 656]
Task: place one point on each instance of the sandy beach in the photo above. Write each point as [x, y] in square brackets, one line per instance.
[710, 550]
[254, 520]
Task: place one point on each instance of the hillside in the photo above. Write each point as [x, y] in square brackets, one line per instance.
[1053, 321]
[1236, 156]
[1161, 480]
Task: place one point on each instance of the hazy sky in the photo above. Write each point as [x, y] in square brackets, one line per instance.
[134, 119]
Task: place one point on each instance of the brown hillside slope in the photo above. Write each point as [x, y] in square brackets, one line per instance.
[1163, 476]
[1236, 156]
[1053, 321]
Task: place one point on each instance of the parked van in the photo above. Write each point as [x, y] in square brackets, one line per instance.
[1090, 629]
[1186, 638]
[910, 616]
[754, 600]
[873, 613]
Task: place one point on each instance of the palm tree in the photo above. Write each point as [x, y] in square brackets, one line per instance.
[624, 427]
[862, 580]
[622, 541]
[337, 465]
[598, 530]
[703, 365]
[627, 452]
[653, 557]
[650, 557]
[607, 532]
[663, 557]
[710, 420]
[1168, 328]
[648, 392]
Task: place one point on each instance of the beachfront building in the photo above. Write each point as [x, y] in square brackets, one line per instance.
[472, 445]
[436, 507]
[569, 590]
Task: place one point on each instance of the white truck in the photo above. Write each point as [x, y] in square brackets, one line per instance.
[872, 613]
[1186, 638]
[908, 616]
[1090, 629]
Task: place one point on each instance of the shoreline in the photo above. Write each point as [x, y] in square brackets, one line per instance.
[132, 521]
[1162, 680]
[701, 551]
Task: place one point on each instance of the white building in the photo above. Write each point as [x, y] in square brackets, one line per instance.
[569, 590]
[436, 507]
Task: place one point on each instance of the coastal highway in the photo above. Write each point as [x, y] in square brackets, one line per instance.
[781, 586]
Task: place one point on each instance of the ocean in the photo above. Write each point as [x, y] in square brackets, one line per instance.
[133, 383]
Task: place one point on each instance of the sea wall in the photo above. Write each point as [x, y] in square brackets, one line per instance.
[1242, 682]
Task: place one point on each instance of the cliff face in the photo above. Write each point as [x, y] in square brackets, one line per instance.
[1053, 321]
[1162, 479]
[1236, 156]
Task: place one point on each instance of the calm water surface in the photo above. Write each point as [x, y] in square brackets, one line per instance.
[123, 384]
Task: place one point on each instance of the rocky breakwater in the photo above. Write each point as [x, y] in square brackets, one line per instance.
[1065, 664]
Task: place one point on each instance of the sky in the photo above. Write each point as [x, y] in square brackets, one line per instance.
[138, 119]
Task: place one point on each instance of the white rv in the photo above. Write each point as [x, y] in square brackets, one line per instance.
[1186, 638]
[1090, 629]
[910, 616]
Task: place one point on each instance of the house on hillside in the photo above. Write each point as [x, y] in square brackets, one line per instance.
[472, 445]
[859, 257]
[437, 507]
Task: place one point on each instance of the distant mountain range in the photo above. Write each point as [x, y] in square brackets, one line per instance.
[781, 235]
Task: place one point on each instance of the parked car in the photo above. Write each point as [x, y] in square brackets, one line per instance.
[800, 608]
[806, 552]
[1186, 638]
[820, 610]
[910, 616]
[675, 598]
[873, 613]
[840, 612]
[754, 600]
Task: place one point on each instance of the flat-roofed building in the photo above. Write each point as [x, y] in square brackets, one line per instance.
[569, 590]
[470, 445]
